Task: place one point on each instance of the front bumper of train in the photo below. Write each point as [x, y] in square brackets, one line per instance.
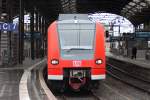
[60, 77]
[59, 73]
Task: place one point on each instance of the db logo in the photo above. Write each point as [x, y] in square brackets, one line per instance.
[77, 63]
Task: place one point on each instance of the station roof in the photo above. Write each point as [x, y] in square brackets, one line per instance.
[137, 11]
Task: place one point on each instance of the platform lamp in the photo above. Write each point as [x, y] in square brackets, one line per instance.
[3, 16]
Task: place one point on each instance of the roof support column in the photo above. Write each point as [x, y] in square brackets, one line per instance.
[37, 39]
[41, 31]
[32, 34]
[42, 34]
[37, 21]
[21, 31]
[46, 24]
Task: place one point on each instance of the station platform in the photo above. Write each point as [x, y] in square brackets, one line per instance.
[10, 77]
[26, 64]
[142, 62]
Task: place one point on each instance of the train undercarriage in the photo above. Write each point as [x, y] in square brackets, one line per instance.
[75, 79]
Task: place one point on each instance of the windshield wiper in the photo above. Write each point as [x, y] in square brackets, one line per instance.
[77, 49]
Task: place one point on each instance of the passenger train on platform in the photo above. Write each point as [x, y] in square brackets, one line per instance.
[76, 52]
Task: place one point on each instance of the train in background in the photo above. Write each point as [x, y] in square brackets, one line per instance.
[76, 52]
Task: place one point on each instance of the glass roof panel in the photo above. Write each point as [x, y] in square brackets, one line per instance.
[128, 6]
[134, 9]
[136, 1]
[132, 3]
[143, 4]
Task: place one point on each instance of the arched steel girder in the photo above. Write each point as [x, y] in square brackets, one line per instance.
[137, 11]
[51, 8]
[141, 17]
[113, 6]
[133, 7]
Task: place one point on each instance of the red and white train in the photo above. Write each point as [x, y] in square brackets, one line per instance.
[76, 52]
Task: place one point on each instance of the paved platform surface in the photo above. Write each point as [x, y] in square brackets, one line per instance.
[142, 62]
[10, 78]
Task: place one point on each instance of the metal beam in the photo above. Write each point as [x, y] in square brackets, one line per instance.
[32, 34]
[21, 31]
[135, 6]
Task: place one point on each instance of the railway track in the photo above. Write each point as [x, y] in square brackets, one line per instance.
[61, 97]
[128, 78]
[95, 96]
[83, 96]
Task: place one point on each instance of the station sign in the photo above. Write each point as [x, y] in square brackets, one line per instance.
[8, 27]
[115, 38]
[143, 34]
[37, 35]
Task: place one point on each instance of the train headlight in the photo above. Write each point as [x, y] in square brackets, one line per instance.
[54, 62]
[98, 61]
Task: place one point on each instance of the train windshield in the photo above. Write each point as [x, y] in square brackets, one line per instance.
[76, 39]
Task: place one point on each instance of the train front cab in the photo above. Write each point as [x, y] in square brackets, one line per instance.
[64, 69]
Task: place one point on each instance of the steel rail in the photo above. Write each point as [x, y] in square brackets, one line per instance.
[127, 81]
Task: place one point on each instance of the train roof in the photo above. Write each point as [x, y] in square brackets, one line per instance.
[74, 18]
